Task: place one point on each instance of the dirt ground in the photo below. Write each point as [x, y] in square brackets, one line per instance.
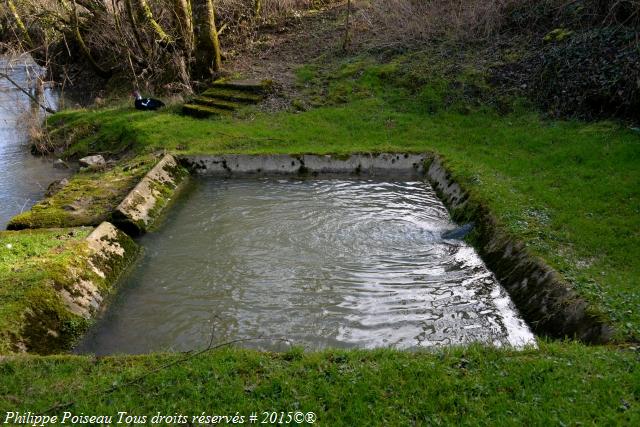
[280, 48]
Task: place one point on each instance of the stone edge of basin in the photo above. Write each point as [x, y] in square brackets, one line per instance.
[356, 164]
[544, 299]
[81, 292]
[142, 207]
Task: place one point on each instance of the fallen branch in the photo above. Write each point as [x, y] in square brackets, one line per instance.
[190, 355]
[23, 90]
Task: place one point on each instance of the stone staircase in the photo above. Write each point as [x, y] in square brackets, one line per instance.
[225, 97]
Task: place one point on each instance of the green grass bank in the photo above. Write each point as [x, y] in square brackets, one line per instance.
[53, 281]
[473, 386]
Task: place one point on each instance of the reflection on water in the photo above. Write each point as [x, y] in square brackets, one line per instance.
[324, 263]
[23, 177]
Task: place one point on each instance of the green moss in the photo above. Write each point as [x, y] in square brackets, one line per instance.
[33, 265]
[232, 95]
[88, 199]
[163, 192]
[557, 35]
[167, 193]
[217, 103]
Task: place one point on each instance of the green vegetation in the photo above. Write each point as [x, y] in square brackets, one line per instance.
[473, 386]
[569, 189]
[33, 264]
[88, 199]
[49, 280]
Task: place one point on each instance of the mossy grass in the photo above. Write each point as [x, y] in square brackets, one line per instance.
[88, 199]
[32, 264]
[569, 189]
[558, 384]
[212, 102]
[40, 270]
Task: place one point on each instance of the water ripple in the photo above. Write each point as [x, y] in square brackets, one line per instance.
[338, 263]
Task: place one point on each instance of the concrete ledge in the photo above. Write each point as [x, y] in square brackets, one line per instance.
[110, 252]
[365, 164]
[75, 281]
[144, 204]
[544, 299]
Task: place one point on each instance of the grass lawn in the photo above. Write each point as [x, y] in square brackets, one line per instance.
[559, 384]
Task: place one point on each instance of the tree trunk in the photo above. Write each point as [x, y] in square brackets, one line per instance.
[85, 49]
[347, 37]
[162, 36]
[20, 24]
[134, 27]
[208, 60]
[183, 10]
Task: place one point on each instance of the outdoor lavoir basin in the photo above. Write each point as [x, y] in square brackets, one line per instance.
[315, 260]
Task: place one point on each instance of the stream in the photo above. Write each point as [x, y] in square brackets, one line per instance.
[24, 178]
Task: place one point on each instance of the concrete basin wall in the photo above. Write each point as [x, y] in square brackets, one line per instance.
[545, 300]
[315, 164]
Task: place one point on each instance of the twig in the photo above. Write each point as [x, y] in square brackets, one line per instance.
[23, 205]
[345, 43]
[189, 356]
[33, 98]
[224, 27]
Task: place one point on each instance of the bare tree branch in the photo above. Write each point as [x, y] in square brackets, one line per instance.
[23, 90]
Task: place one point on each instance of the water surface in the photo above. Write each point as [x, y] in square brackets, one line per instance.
[24, 178]
[323, 263]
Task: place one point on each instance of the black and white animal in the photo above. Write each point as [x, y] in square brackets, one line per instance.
[146, 103]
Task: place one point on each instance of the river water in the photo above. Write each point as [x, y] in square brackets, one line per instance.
[320, 262]
[23, 177]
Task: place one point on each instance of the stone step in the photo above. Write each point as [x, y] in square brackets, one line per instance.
[203, 111]
[217, 103]
[252, 86]
[232, 95]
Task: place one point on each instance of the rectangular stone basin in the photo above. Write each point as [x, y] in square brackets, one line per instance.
[321, 262]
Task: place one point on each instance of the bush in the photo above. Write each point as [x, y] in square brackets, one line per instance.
[589, 74]
[544, 15]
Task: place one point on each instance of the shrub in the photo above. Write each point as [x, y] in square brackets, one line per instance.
[591, 74]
